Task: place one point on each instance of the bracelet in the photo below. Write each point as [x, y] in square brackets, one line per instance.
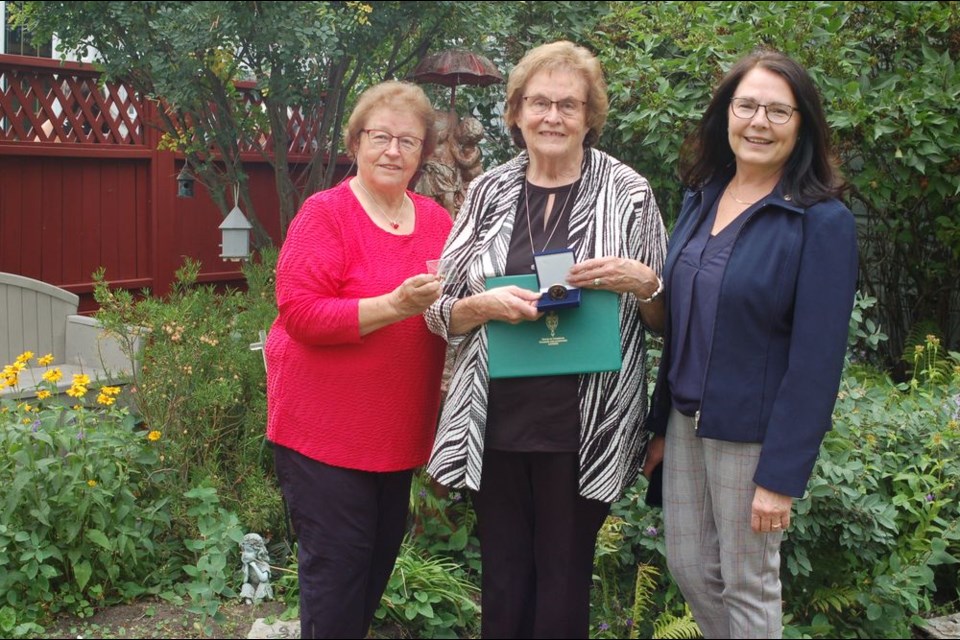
[654, 295]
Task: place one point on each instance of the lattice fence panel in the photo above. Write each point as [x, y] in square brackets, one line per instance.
[45, 106]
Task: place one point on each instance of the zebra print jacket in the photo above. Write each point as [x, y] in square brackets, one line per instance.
[615, 214]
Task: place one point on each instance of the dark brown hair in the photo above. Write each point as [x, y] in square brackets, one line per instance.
[810, 174]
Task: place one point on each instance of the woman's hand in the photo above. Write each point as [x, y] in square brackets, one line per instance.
[415, 294]
[654, 455]
[507, 304]
[770, 512]
[621, 275]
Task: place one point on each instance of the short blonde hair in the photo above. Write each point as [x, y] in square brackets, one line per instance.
[399, 96]
[559, 56]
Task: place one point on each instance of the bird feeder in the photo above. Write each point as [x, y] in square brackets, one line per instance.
[236, 236]
[185, 182]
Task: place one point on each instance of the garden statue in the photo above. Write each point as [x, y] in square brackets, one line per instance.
[466, 151]
[256, 569]
[454, 163]
[440, 178]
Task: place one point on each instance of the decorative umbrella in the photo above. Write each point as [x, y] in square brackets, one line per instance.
[453, 67]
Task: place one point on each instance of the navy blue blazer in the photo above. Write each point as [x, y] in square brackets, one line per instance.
[780, 335]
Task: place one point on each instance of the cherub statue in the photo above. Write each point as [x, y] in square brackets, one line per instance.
[466, 152]
[256, 569]
[440, 178]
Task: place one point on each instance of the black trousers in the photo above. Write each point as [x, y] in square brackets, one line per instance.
[537, 538]
[349, 527]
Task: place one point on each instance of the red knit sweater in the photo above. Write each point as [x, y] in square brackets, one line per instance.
[370, 402]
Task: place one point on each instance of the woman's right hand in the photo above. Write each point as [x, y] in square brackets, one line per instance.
[507, 304]
[415, 294]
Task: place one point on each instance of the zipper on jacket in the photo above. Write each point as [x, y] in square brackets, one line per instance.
[706, 370]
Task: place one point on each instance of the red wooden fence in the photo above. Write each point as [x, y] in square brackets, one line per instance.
[83, 185]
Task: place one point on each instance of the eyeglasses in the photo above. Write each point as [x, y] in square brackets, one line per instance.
[381, 140]
[568, 107]
[776, 112]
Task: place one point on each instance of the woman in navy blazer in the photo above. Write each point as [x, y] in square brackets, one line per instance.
[760, 276]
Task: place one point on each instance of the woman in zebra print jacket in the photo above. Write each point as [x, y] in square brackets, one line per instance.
[545, 456]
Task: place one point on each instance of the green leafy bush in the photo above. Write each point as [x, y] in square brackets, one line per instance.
[200, 383]
[83, 519]
[882, 514]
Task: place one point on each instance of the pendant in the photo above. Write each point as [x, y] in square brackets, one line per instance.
[395, 225]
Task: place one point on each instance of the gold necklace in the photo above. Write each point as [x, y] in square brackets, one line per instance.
[735, 198]
[393, 223]
[556, 221]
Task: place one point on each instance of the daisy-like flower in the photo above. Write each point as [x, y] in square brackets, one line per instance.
[153, 436]
[105, 400]
[91, 483]
[43, 394]
[45, 360]
[53, 375]
[77, 391]
[24, 357]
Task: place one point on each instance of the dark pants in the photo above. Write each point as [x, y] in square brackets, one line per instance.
[349, 527]
[537, 539]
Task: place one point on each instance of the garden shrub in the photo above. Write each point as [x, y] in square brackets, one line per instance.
[84, 517]
[200, 384]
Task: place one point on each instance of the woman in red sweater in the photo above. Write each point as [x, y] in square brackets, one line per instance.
[353, 384]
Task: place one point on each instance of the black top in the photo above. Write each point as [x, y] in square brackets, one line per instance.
[536, 414]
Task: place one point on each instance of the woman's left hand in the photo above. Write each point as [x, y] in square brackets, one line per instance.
[611, 273]
[770, 512]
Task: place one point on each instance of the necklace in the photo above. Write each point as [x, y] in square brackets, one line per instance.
[735, 198]
[393, 223]
[556, 220]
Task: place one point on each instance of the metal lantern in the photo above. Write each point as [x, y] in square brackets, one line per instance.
[236, 236]
[185, 182]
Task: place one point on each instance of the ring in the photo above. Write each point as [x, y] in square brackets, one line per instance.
[776, 526]
[596, 282]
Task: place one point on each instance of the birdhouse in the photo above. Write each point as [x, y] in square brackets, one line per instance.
[236, 236]
[185, 182]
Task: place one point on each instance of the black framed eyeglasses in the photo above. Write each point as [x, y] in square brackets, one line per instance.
[380, 139]
[776, 112]
[568, 107]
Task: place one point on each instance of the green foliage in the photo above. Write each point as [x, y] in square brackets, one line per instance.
[84, 520]
[881, 514]
[202, 387]
[430, 596]
[864, 336]
[304, 60]
[888, 76]
[214, 556]
[633, 595]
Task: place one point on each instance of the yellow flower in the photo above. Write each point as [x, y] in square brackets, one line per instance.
[81, 379]
[110, 391]
[43, 394]
[24, 357]
[45, 360]
[105, 400]
[77, 391]
[53, 375]
[153, 436]
[92, 483]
